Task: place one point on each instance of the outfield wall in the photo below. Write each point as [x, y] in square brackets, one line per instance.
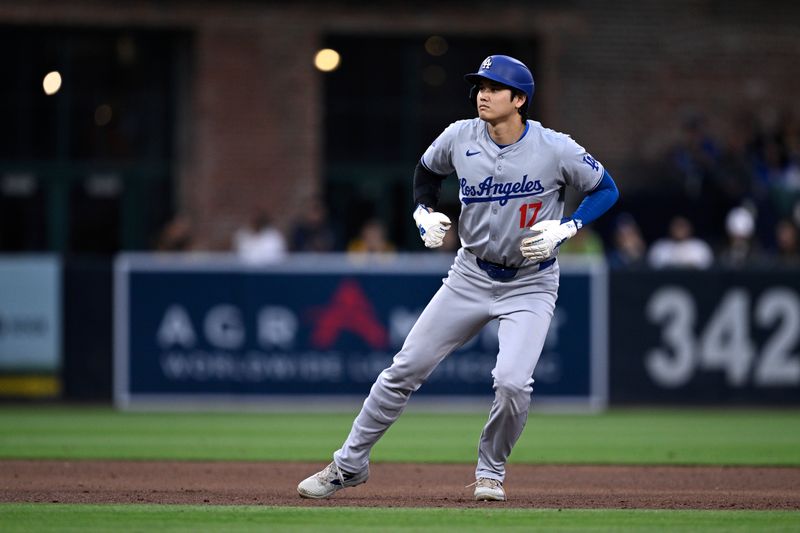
[30, 325]
[712, 337]
[720, 337]
[216, 332]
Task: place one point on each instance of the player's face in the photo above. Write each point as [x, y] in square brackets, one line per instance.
[496, 102]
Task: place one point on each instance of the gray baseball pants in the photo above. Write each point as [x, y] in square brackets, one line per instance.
[467, 300]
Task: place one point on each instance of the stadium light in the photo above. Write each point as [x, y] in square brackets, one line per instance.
[327, 60]
[51, 83]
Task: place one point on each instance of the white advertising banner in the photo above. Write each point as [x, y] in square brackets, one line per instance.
[30, 313]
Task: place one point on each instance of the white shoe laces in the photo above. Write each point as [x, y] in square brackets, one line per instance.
[330, 472]
[485, 482]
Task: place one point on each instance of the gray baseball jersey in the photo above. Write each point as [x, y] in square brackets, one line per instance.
[505, 190]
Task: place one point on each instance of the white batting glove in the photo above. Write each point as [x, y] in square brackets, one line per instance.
[432, 226]
[548, 235]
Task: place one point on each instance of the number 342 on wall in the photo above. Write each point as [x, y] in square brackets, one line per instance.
[725, 343]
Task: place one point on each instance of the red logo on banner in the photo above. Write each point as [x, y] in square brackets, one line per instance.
[349, 310]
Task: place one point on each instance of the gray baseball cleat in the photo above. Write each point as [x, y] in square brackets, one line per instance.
[488, 489]
[329, 480]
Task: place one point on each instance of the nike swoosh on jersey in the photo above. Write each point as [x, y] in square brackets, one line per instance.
[470, 154]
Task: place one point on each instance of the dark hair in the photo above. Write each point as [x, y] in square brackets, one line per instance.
[523, 110]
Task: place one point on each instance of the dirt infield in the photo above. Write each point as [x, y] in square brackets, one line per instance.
[400, 485]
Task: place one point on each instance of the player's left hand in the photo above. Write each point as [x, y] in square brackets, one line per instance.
[548, 235]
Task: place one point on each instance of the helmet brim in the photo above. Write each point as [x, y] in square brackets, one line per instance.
[476, 77]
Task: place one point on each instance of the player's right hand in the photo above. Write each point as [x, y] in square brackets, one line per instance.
[432, 226]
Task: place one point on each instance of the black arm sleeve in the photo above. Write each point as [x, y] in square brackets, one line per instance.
[427, 186]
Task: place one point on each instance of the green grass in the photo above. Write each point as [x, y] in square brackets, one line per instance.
[752, 437]
[755, 437]
[177, 518]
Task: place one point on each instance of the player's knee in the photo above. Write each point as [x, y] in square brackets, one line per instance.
[512, 397]
[387, 396]
[510, 386]
[403, 376]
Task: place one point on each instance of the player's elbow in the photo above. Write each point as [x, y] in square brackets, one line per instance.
[614, 193]
[610, 189]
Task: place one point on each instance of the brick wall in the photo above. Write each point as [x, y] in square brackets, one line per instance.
[619, 76]
[643, 66]
[254, 125]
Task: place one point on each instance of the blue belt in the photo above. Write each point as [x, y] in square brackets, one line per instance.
[503, 272]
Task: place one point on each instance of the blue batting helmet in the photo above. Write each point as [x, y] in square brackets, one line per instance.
[505, 70]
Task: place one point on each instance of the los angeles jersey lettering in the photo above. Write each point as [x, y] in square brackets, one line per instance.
[503, 191]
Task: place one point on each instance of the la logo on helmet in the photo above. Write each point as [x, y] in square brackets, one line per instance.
[486, 63]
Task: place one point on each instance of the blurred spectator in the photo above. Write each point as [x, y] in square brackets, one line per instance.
[695, 157]
[314, 231]
[176, 236]
[692, 168]
[680, 249]
[259, 242]
[371, 239]
[585, 242]
[786, 192]
[630, 249]
[758, 163]
[776, 170]
[770, 163]
[787, 243]
[735, 171]
[741, 248]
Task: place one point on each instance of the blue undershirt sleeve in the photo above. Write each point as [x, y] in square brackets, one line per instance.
[597, 202]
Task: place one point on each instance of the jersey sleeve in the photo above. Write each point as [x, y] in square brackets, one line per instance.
[578, 168]
[438, 158]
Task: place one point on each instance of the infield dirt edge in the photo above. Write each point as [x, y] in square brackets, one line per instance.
[401, 485]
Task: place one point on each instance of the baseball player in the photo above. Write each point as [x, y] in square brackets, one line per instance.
[512, 174]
